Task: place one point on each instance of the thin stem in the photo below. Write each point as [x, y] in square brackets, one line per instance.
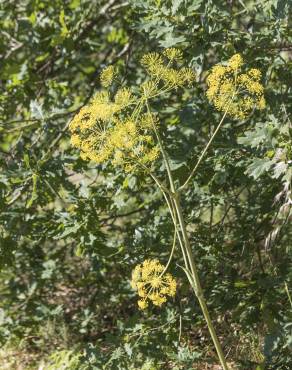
[197, 286]
[186, 248]
[203, 153]
[159, 183]
[207, 146]
[160, 92]
[174, 220]
[171, 252]
[285, 283]
[151, 174]
[164, 154]
[180, 328]
[166, 192]
[288, 293]
[170, 203]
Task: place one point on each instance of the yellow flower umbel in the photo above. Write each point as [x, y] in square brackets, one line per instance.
[107, 76]
[161, 68]
[235, 92]
[121, 128]
[152, 284]
[102, 134]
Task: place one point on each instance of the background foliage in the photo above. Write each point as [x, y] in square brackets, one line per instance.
[71, 232]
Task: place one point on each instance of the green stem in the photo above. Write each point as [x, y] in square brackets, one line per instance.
[171, 182]
[208, 145]
[203, 153]
[151, 174]
[288, 293]
[197, 285]
[164, 154]
[171, 252]
[174, 220]
[186, 248]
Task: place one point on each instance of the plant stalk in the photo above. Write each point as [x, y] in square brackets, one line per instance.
[186, 248]
[197, 285]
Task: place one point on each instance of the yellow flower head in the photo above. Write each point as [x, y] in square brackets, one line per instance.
[173, 54]
[103, 135]
[151, 61]
[235, 62]
[171, 77]
[255, 73]
[188, 76]
[235, 92]
[124, 97]
[120, 127]
[149, 88]
[152, 284]
[107, 76]
[75, 140]
[160, 69]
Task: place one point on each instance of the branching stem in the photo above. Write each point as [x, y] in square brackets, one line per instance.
[178, 219]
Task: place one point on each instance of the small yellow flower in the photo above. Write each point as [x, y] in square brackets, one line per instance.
[262, 103]
[235, 62]
[160, 71]
[151, 155]
[152, 284]
[107, 76]
[173, 54]
[151, 61]
[142, 304]
[171, 77]
[149, 89]
[188, 76]
[124, 97]
[255, 73]
[148, 120]
[75, 140]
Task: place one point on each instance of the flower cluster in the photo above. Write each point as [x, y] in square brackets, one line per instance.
[160, 67]
[235, 92]
[116, 127]
[102, 132]
[107, 76]
[152, 284]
